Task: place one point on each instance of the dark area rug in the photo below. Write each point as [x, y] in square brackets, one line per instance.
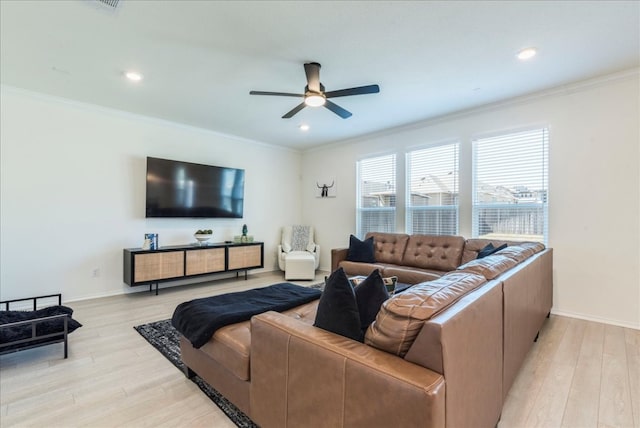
[165, 339]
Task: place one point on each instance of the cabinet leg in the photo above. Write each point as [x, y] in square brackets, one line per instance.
[245, 274]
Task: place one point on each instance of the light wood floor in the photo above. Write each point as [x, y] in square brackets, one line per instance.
[578, 374]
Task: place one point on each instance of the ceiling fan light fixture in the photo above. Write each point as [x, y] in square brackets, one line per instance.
[315, 100]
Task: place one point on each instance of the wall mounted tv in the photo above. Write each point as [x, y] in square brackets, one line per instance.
[183, 189]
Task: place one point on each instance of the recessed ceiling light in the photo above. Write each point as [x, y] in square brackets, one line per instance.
[527, 53]
[304, 127]
[133, 76]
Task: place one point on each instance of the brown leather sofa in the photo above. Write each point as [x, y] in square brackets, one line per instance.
[443, 353]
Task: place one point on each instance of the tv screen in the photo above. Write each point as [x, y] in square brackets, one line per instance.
[183, 189]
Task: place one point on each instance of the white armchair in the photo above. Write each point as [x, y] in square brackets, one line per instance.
[298, 254]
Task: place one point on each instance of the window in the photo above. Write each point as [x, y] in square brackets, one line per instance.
[376, 204]
[510, 186]
[432, 190]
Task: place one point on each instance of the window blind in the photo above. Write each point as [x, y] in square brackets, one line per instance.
[510, 186]
[432, 190]
[376, 205]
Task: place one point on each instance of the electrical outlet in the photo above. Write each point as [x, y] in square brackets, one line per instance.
[96, 273]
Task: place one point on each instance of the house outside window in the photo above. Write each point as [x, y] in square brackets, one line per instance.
[510, 186]
[432, 190]
[376, 204]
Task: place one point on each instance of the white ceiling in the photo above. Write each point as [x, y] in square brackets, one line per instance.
[200, 59]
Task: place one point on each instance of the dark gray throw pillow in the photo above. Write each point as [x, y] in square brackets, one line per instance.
[361, 251]
[490, 249]
[337, 309]
[370, 295]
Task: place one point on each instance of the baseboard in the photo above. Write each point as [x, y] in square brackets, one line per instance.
[596, 319]
[169, 284]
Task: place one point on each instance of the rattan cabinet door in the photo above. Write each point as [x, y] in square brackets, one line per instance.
[156, 266]
[245, 257]
[205, 261]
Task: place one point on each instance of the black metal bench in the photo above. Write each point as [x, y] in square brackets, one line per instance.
[35, 340]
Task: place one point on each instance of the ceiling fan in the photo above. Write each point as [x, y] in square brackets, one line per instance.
[315, 95]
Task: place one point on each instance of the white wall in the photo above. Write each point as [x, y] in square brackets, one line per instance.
[72, 188]
[594, 215]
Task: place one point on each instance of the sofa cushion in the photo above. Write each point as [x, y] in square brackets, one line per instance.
[337, 309]
[401, 318]
[370, 294]
[490, 266]
[230, 345]
[434, 252]
[516, 252]
[389, 247]
[360, 251]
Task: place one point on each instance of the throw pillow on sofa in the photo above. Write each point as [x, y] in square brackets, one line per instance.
[360, 251]
[490, 249]
[370, 295]
[337, 310]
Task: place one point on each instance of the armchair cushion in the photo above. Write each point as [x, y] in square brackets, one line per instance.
[300, 237]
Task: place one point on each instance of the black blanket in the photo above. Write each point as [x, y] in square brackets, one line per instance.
[198, 319]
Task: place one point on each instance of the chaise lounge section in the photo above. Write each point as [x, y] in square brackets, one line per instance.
[443, 353]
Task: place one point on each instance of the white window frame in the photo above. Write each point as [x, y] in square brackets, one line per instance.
[390, 211]
[534, 225]
[450, 183]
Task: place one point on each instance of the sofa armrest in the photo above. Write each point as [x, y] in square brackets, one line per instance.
[338, 255]
[305, 376]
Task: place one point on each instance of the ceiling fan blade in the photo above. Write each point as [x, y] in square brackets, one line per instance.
[280, 94]
[312, 70]
[360, 90]
[295, 110]
[337, 109]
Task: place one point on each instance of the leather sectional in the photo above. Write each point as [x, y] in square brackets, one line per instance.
[443, 353]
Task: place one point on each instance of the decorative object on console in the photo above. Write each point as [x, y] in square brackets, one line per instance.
[203, 235]
[361, 251]
[150, 241]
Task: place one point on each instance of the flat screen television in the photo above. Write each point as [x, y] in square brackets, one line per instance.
[184, 189]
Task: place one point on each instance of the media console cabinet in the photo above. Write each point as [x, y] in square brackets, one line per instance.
[149, 267]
